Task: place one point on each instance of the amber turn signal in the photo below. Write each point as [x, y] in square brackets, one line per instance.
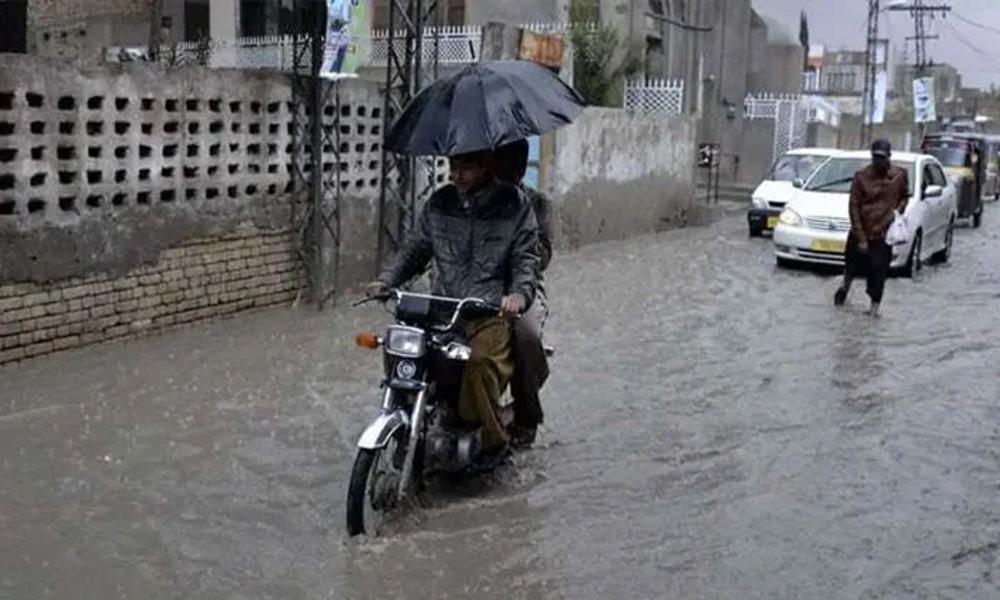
[367, 340]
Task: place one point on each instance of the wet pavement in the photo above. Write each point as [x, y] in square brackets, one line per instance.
[716, 429]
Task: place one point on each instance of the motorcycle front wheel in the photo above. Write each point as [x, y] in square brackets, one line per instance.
[373, 491]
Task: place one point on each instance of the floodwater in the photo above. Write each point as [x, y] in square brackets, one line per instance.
[716, 429]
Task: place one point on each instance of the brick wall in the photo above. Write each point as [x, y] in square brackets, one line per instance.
[200, 279]
[41, 12]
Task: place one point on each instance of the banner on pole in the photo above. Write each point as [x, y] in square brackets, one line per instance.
[346, 35]
[879, 95]
[924, 105]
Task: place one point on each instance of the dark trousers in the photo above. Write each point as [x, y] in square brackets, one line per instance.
[531, 368]
[872, 265]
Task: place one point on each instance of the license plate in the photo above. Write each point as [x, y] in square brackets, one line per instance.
[772, 222]
[829, 246]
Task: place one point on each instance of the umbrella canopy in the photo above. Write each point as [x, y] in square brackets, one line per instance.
[486, 105]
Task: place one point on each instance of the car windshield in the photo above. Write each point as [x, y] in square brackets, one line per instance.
[795, 166]
[836, 176]
[951, 156]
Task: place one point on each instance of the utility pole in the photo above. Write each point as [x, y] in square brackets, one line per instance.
[871, 60]
[920, 11]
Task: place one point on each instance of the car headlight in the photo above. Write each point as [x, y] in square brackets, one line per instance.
[405, 341]
[790, 217]
[759, 203]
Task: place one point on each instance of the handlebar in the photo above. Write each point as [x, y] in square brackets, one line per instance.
[460, 304]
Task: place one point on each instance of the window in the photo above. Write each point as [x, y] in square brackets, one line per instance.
[196, 24]
[13, 26]
[253, 18]
[791, 167]
[452, 13]
[836, 175]
[937, 176]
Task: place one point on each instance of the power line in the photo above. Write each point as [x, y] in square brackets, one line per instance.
[669, 21]
[961, 39]
[974, 24]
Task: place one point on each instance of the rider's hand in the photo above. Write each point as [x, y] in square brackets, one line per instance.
[513, 305]
[376, 289]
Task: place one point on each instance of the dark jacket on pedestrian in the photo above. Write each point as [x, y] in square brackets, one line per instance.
[875, 199]
[484, 245]
[543, 215]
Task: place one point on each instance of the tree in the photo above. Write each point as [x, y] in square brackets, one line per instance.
[597, 65]
[804, 39]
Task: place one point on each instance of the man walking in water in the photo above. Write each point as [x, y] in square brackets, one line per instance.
[878, 192]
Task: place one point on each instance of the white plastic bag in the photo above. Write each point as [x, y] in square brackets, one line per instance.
[899, 232]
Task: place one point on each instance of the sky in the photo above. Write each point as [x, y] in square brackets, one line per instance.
[973, 48]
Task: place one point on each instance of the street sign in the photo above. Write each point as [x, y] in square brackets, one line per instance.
[924, 106]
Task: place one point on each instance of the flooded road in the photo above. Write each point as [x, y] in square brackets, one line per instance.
[716, 429]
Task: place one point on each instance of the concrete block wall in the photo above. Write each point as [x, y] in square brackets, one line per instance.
[128, 171]
[613, 174]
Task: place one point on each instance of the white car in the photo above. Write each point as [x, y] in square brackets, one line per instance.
[813, 227]
[770, 197]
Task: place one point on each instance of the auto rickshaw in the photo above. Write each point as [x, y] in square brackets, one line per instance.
[963, 156]
[991, 188]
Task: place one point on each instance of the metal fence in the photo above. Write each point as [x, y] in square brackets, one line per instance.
[655, 96]
[457, 45]
[789, 113]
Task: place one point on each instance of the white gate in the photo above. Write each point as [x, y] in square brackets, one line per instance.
[655, 96]
[789, 113]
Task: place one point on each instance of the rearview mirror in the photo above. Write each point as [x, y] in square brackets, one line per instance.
[933, 191]
[798, 183]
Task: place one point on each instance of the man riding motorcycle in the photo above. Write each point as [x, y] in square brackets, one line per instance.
[483, 238]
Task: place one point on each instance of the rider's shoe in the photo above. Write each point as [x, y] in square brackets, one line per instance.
[523, 437]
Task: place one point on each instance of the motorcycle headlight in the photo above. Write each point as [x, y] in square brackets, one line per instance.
[759, 203]
[405, 341]
[790, 217]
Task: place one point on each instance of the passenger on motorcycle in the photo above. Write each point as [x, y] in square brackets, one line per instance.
[483, 238]
[531, 368]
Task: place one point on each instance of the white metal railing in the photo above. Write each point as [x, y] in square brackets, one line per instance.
[765, 106]
[262, 52]
[654, 96]
[456, 45]
[822, 110]
[811, 81]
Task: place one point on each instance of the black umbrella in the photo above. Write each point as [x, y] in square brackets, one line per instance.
[486, 105]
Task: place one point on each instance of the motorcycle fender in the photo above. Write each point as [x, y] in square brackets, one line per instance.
[378, 433]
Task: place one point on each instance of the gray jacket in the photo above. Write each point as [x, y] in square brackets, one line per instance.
[484, 246]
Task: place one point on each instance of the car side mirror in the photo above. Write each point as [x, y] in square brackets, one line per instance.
[933, 191]
[798, 183]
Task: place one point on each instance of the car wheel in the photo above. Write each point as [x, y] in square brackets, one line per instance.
[915, 264]
[784, 263]
[756, 232]
[944, 255]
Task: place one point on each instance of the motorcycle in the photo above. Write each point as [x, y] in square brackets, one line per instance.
[416, 432]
